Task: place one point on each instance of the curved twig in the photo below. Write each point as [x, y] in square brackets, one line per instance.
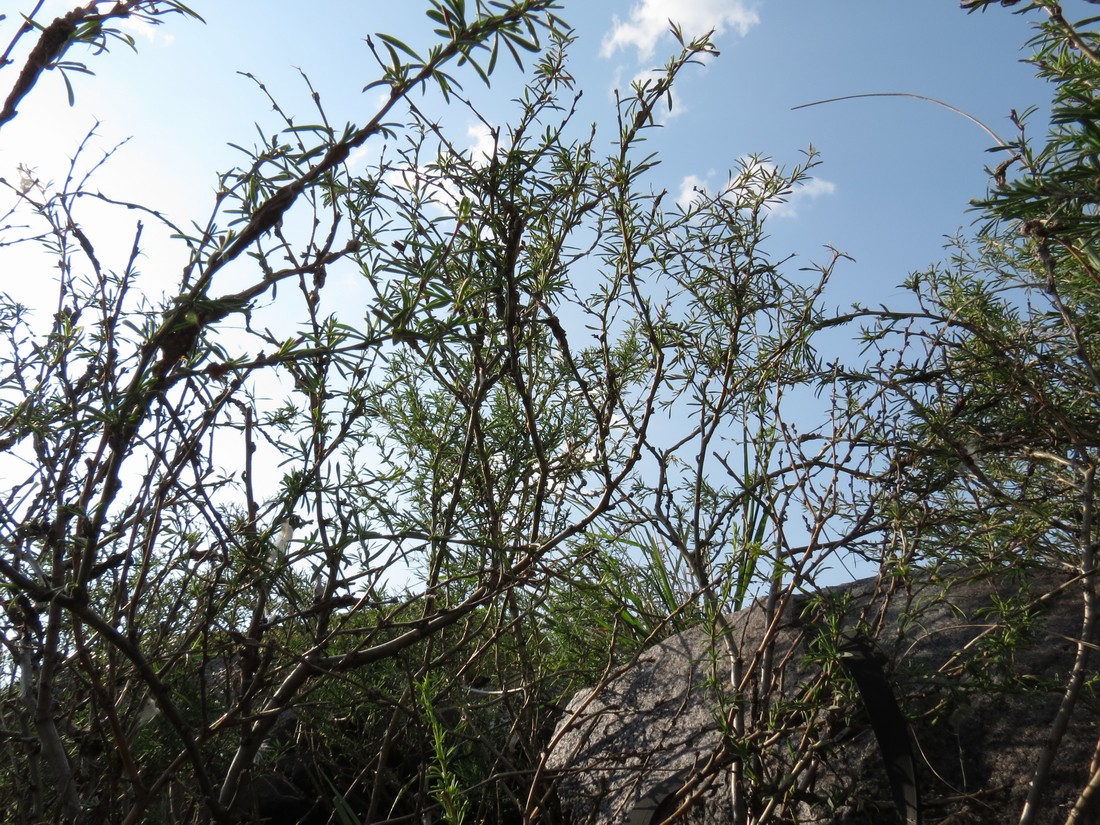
[915, 96]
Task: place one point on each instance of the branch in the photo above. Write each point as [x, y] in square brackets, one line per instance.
[51, 45]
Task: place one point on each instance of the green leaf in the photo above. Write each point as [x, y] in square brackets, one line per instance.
[397, 44]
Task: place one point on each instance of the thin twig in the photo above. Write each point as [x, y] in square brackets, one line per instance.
[915, 96]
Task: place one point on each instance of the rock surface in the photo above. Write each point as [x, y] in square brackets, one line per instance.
[978, 664]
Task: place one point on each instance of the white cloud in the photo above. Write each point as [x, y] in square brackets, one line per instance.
[668, 107]
[432, 187]
[442, 193]
[145, 30]
[483, 143]
[752, 176]
[360, 155]
[810, 190]
[692, 188]
[649, 22]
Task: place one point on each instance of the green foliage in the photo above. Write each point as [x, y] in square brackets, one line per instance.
[1002, 387]
[445, 783]
[531, 417]
[496, 470]
[991, 387]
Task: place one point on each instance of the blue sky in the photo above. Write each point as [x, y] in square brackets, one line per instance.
[896, 176]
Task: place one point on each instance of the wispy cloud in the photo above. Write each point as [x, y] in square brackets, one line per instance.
[753, 177]
[806, 191]
[649, 21]
[483, 143]
[445, 194]
[147, 31]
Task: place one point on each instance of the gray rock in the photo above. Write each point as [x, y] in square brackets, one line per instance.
[978, 664]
